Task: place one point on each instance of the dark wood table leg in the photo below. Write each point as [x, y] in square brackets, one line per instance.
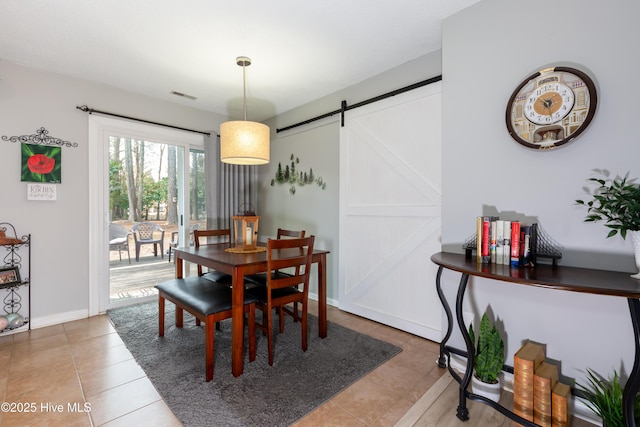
[322, 296]
[161, 317]
[237, 321]
[179, 275]
[179, 267]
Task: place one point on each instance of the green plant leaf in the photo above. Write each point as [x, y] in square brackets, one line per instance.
[616, 202]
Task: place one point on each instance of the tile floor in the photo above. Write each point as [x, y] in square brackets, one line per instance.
[81, 374]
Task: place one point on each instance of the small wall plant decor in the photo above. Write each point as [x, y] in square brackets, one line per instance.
[289, 175]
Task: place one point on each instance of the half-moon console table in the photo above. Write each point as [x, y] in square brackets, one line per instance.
[571, 279]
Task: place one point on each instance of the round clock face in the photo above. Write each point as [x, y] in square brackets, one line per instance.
[551, 107]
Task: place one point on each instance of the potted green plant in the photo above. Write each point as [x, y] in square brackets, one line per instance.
[488, 359]
[604, 398]
[617, 202]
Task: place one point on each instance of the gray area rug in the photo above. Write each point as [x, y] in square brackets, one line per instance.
[264, 395]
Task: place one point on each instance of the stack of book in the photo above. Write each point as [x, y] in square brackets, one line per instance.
[504, 242]
[560, 401]
[538, 395]
[545, 379]
[525, 362]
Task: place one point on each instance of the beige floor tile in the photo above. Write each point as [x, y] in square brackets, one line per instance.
[41, 362]
[97, 344]
[157, 414]
[96, 326]
[366, 400]
[47, 417]
[402, 380]
[99, 380]
[329, 415]
[35, 334]
[118, 401]
[395, 413]
[6, 340]
[58, 385]
[39, 343]
[390, 335]
[97, 358]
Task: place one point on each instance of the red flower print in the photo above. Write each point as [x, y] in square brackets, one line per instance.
[39, 163]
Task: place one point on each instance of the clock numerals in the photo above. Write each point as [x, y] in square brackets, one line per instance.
[551, 107]
[549, 103]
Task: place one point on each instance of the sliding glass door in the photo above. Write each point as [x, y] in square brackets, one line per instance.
[145, 202]
[146, 174]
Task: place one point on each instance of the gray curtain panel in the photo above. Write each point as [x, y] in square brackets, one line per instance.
[230, 188]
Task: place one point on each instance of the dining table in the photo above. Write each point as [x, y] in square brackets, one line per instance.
[238, 265]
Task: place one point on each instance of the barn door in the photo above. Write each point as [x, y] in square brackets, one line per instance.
[390, 211]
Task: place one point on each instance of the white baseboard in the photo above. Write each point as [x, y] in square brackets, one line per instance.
[330, 301]
[578, 409]
[69, 316]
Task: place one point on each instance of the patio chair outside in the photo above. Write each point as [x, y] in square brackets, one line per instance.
[119, 239]
[148, 233]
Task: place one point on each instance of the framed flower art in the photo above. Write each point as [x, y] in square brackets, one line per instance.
[41, 163]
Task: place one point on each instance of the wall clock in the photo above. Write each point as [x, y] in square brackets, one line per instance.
[551, 107]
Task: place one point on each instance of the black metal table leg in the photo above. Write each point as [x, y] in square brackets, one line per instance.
[442, 360]
[633, 383]
[463, 411]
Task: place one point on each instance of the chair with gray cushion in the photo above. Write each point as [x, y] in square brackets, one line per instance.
[119, 239]
[209, 302]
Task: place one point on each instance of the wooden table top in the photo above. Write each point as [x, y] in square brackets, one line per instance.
[574, 279]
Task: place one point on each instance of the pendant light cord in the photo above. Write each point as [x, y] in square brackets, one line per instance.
[244, 89]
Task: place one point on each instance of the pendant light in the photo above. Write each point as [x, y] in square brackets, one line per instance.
[243, 142]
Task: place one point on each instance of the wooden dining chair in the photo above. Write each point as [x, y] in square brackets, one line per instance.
[294, 254]
[260, 279]
[212, 237]
[209, 302]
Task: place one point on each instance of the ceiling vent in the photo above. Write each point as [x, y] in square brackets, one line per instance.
[183, 95]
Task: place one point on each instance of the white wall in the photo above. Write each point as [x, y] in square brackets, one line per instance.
[487, 50]
[30, 99]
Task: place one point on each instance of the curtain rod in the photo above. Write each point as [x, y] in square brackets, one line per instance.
[91, 111]
[344, 106]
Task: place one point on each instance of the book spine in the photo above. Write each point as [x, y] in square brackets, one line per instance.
[486, 237]
[506, 247]
[542, 385]
[515, 243]
[525, 362]
[525, 237]
[560, 404]
[523, 389]
[479, 238]
[533, 243]
[499, 241]
[493, 243]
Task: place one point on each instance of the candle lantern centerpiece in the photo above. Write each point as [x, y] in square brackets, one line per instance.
[245, 230]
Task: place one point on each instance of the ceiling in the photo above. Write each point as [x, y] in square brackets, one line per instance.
[300, 50]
